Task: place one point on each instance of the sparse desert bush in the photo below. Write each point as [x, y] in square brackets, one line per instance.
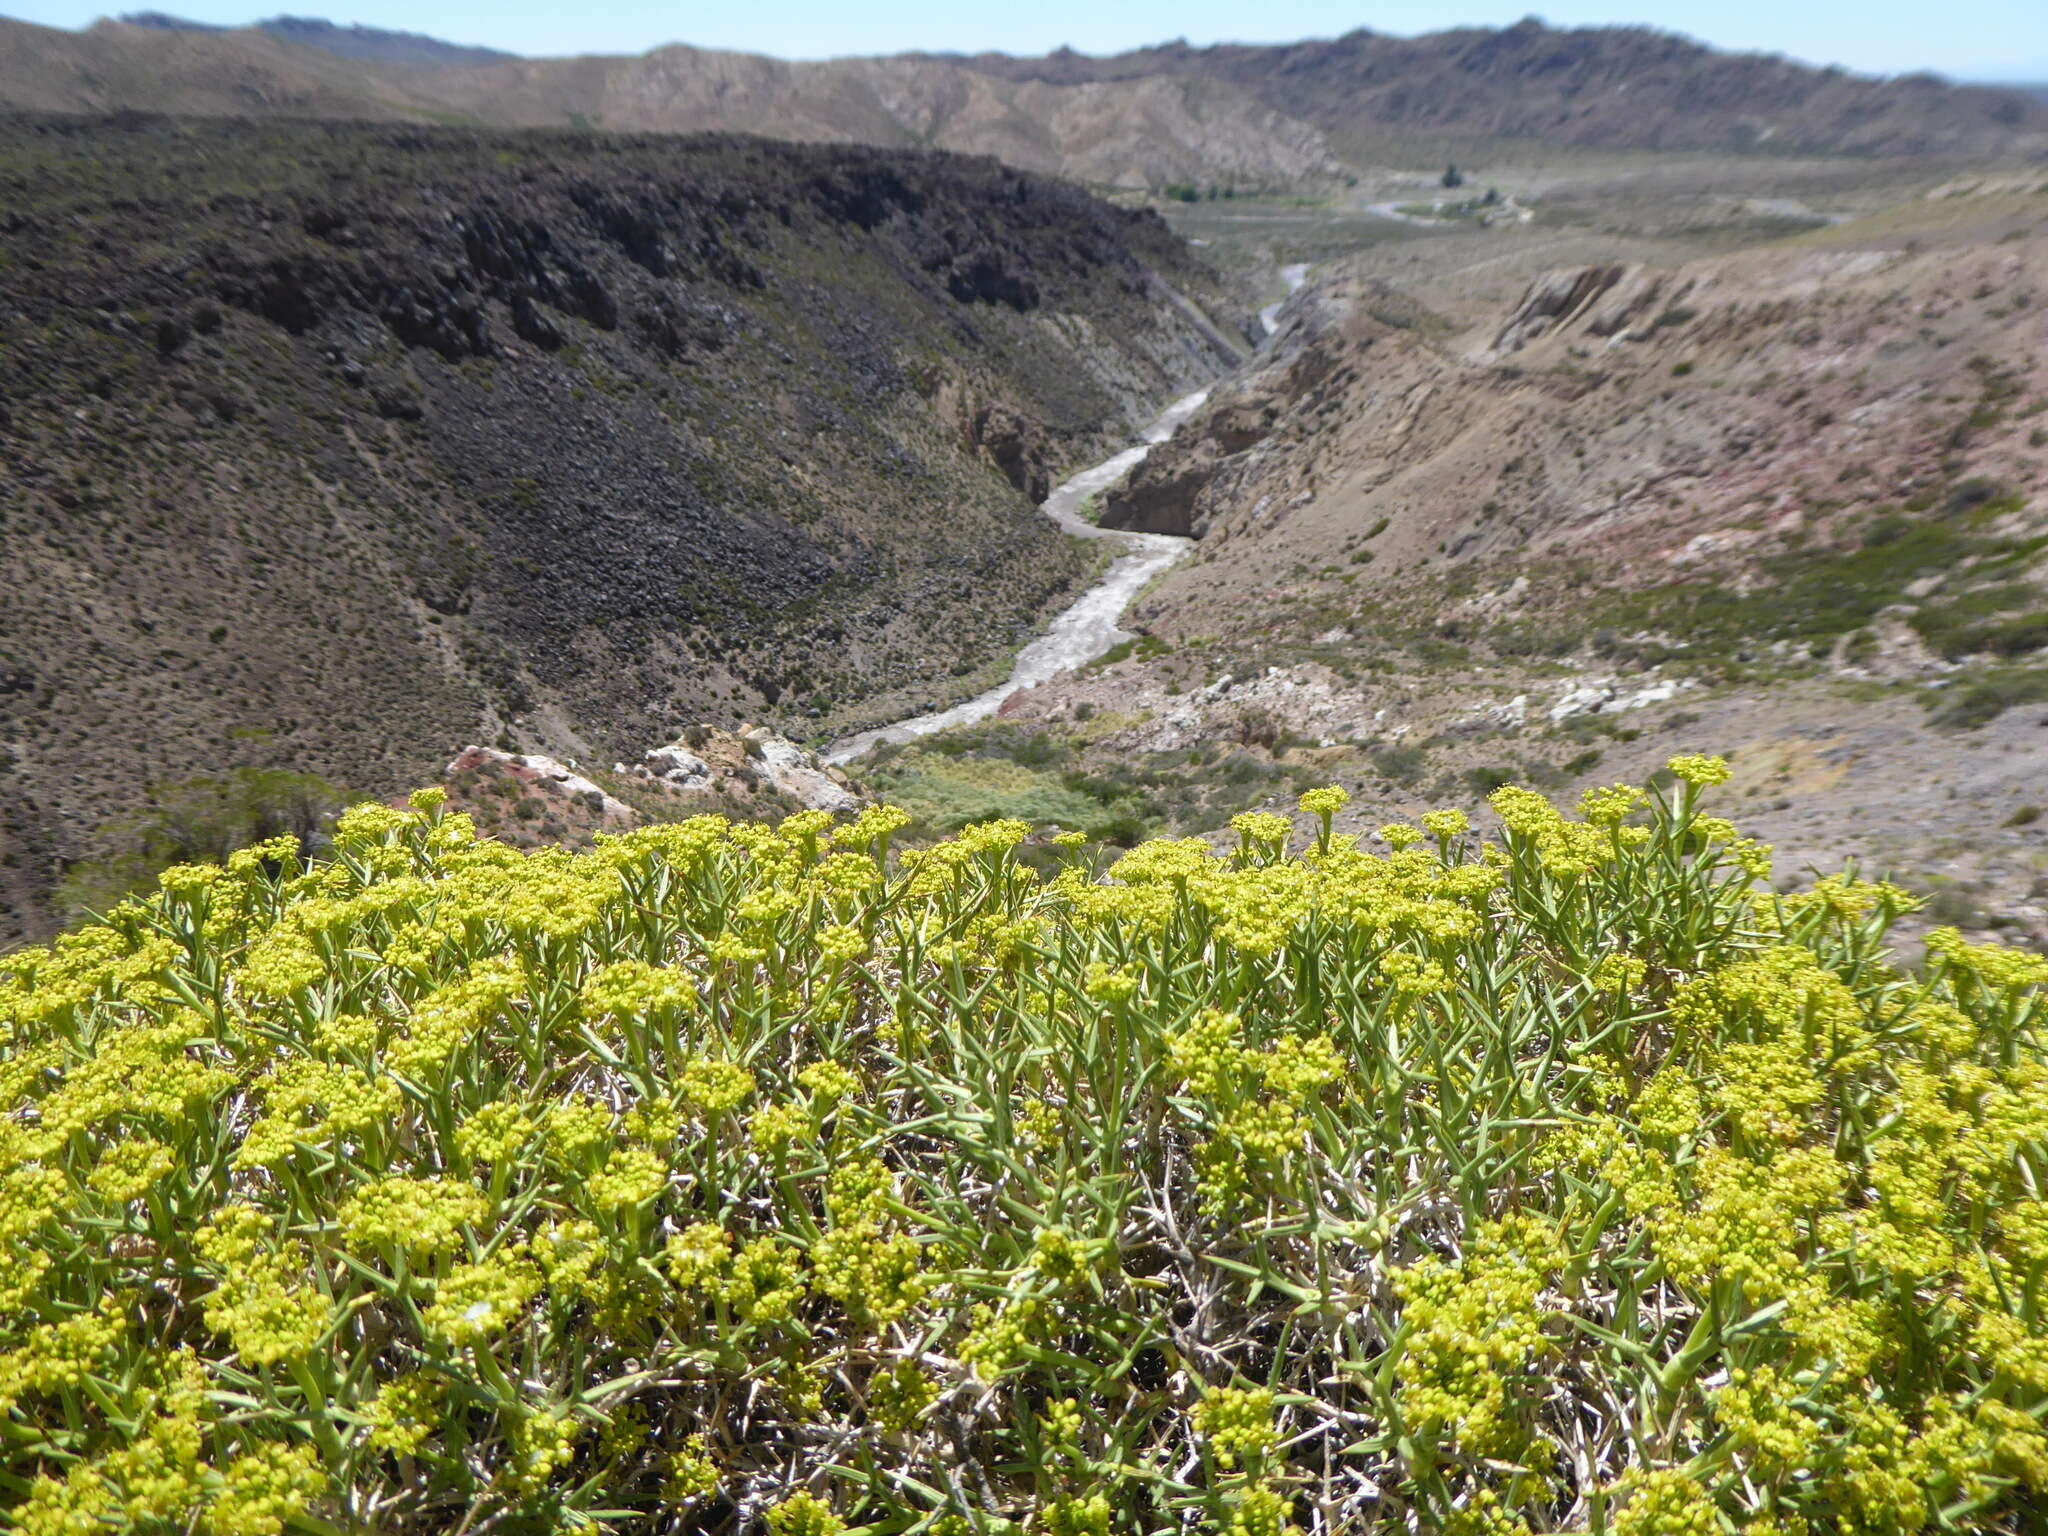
[197, 819]
[1402, 763]
[2003, 619]
[1254, 725]
[1143, 647]
[1485, 780]
[1241, 770]
[1535, 640]
[1956, 905]
[728, 1176]
[1976, 495]
[1979, 703]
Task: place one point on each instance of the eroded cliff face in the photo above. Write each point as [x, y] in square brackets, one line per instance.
[1712, 425]
[338, 446]
[1252, 425]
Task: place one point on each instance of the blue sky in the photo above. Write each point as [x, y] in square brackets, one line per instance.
[1977, 39]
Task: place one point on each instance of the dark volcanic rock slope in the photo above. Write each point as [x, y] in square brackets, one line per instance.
[335, 447]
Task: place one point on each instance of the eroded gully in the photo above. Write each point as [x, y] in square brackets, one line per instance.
[1091, 626]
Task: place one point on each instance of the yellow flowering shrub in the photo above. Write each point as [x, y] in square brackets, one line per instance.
[1542, 1172]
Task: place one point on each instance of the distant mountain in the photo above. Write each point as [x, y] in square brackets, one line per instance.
[372, 45]
[1235, 115]
[1628, 88]
[1135, 134]
[115, 66]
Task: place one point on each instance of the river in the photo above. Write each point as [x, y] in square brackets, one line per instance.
[1293, 276]
[1090, 627]
[1087, 629]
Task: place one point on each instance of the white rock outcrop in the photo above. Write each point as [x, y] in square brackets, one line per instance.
[800, 774]
[543, 772]
[705, 758]
[1607, 696]
[675, 764]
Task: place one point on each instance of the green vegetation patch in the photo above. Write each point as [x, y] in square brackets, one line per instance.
[199, 819]
[1044, 776]
[731, 1173]
[1814, 597]
[2003, 620]
[1142, 647]
[945, 792]
[1980, 700]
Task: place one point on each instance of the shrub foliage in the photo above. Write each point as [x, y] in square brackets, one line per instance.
[730, 1177]
[203, 818]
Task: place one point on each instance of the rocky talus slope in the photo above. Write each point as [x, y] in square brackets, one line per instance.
[340, 446]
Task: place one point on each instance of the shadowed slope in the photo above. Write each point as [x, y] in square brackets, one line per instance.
[340, 447]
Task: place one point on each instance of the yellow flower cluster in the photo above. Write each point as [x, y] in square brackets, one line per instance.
[423, 1218]
[1238, 1424]
[1474, 1330]
[1549, 1175]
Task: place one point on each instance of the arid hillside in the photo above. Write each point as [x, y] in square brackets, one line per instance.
[337, 448]
[1142, 134]
[1627, 88]
[1791, 503]
[1315, 114]
[1625, 421]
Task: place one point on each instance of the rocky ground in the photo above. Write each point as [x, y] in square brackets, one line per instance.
[531, 800]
